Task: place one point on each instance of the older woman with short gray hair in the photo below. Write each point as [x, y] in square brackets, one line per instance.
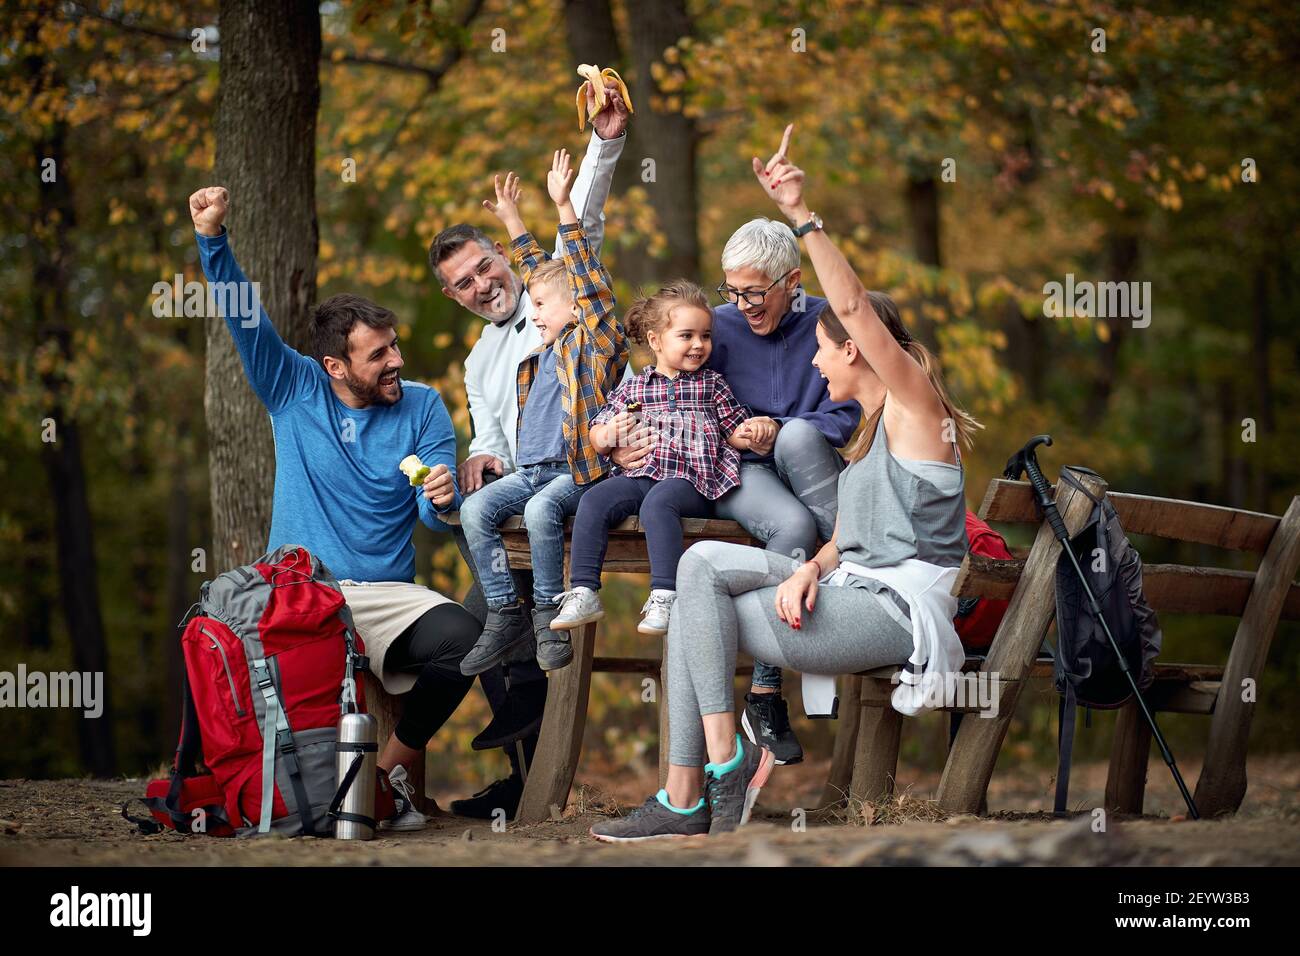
[763, 342]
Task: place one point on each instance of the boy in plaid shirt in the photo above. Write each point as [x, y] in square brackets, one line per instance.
[562, 385]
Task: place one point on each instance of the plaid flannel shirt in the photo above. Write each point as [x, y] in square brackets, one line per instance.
[693, 415]
[591, 354]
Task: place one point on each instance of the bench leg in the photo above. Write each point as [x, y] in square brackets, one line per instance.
[876, 755]
[846, 744]
[1130, 754]
[387, 711]
[560, 744]
[963, 788]
[1222, 784]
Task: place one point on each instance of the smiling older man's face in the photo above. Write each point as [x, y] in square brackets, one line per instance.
[481, 280]
[763, 318]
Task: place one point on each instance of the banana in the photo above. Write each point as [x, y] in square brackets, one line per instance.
[597, 77]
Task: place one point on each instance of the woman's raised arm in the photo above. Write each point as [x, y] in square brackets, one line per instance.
[898, 371]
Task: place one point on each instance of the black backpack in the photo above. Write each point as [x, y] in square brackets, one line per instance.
[1087, 670]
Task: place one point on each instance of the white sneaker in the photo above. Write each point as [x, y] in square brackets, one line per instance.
[656, 612]
[577, 607]
[406, 817]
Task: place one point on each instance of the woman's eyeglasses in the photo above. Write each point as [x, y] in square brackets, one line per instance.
[728, 294]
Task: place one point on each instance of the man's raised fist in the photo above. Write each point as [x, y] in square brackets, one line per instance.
[208, 207]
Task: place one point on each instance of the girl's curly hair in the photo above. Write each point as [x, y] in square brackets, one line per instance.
[650, 313]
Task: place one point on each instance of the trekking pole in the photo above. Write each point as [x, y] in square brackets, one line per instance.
[1027, 459]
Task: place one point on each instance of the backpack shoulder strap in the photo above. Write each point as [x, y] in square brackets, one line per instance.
[277, 737]
[1065, 748]
[1077, 485]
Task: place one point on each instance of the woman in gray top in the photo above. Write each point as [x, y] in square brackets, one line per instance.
[901, 512]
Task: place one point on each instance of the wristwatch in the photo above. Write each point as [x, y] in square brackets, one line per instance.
[814, 222]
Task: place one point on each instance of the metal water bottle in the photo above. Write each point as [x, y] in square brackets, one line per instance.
[358, 736]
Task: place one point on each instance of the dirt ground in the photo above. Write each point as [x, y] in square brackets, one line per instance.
[77, 823]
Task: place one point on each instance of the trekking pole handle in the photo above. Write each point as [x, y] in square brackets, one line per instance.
[1043, 490]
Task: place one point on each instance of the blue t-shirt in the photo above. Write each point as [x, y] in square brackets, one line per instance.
[338, 491]
[541, 428]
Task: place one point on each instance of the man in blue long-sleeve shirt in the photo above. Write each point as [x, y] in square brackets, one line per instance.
[764, 338]
[342, 423]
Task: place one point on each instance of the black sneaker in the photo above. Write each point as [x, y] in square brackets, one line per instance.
[503, 632]
[501, 794]
[730, 796]
[766, 722]
[554, 648]
[519, 716]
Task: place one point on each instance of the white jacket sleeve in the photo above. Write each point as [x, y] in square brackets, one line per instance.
[591, 188]
[488, 438]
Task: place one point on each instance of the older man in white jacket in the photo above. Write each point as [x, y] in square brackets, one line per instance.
[477, 273]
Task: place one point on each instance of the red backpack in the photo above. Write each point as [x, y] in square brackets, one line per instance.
[271, 659]
[977, 619]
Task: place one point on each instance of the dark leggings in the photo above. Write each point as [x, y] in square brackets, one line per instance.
[432, 648]
[661, 504]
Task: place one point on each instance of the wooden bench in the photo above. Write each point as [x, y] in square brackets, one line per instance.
[865, 761]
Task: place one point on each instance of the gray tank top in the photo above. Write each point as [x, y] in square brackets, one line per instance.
[888, 512]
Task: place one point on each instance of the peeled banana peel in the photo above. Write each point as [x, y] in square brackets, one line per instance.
[597, 77]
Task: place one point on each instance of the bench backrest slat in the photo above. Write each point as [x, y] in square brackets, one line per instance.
[1170, 588]
[1012, 502]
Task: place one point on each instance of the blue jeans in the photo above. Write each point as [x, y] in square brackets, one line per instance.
[545, 495]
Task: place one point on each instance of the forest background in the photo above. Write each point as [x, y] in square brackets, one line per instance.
[963, 154]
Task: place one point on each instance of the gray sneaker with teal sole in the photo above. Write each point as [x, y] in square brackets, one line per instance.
[731, 795]
[653, 820]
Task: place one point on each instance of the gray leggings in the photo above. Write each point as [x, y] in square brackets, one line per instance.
[787, 503]
[790, 501]
[725, 595]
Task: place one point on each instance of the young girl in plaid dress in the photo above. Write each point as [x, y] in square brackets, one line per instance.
[699, 430]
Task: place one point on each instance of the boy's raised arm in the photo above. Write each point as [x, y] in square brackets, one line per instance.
[593, 289]
[523, 246]
[279, 375]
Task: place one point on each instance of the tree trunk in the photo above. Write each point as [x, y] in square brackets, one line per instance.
[589, 30]
[1262, 410]
[1121, 263]
[266, 150]
[923, 212]
[668, 137]
[35, 607]
[592, 38]
[63, 459]
[180, 593]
